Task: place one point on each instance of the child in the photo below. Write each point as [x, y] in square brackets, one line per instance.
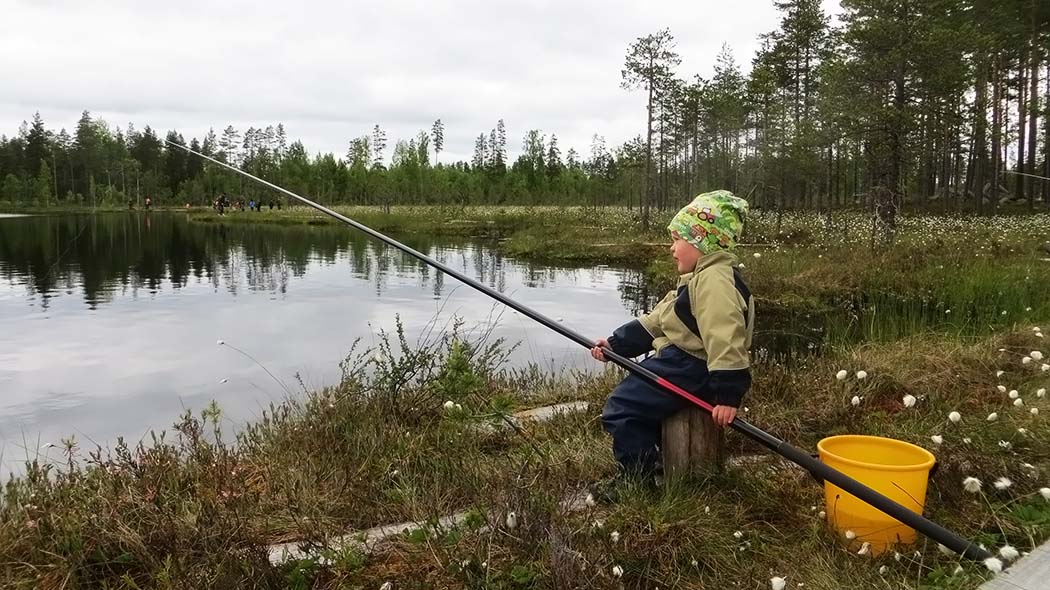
[701, 333]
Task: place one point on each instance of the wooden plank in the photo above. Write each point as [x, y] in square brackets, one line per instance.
[1031, 572]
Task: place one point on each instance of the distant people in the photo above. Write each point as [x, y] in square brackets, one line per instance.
[271, 205]
[278, 205]
[251, 205]
[149, 203]
[131, 204]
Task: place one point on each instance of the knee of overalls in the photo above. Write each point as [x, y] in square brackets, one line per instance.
[636, 398]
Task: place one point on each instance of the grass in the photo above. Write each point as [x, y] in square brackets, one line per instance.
[197, 506]
[196, 509]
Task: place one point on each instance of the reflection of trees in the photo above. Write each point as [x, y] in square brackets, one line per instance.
[110, 254]
[636, 293]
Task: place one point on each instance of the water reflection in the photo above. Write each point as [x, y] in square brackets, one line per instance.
[110, 321]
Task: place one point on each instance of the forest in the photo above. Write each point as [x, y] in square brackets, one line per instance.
[933, 105]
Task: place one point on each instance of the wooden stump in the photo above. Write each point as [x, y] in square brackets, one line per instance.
[692, 442]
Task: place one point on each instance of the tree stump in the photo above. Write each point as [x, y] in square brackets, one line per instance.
[691, 443]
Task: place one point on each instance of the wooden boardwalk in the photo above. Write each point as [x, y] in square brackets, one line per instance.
[1031, 572]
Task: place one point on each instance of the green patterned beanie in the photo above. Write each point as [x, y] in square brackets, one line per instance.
[712, 222]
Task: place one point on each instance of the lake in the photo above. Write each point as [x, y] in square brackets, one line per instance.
[109, 322]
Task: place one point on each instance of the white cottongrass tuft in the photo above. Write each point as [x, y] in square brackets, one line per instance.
[512, 520]
[1000, 372]
[883, 570]
[738, 534]
[777, 583]
[993, 564]
[614, 536]
[954, 416]
[1002, 483]
[851, 535]
[1041, 392]
[617, 571]
[972, 485]
[1045, 493]
[1008, 553]
[1001, 388]
[449, 405]
[937, 439]
[966, 440]
[387, 586]
[1036, 355]
[864, 549]
[993, 417]
[1044, 367]
[1022, 431]
[909, 400]
[757, 255]
[1013, 394]
[822, 514]
[220, 342]
[855, 401]
[589, 500]
[1026, 360]
[862, 375]
[841, 375]
[1018, 402]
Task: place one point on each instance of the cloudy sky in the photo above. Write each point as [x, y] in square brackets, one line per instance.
[331, 70]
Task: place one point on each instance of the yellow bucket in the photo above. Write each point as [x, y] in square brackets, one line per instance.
[895, 469]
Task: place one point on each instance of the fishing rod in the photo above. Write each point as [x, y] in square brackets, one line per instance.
[814, 466]
[1025, 174]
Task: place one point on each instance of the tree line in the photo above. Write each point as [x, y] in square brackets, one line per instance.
[932, 104]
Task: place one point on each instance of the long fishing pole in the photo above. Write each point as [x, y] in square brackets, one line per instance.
[818, 469]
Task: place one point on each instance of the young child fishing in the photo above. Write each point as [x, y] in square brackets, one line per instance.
[701, 333]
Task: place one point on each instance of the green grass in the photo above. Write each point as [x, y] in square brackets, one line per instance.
[197, 506]
[196, 509]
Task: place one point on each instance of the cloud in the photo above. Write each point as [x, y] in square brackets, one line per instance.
[331, 70]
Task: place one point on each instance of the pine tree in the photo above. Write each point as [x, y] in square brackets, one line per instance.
[554, 164]
[437, 132]
[378, 146]
[36, 148]
[228, 145]
[648, 66]
[480, 153]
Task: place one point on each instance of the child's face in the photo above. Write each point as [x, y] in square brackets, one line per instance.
[685, 255]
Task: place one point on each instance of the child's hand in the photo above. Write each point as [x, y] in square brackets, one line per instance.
[723, 415]
[596, 352]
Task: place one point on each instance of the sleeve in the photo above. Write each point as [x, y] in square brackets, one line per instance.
[631, 339]
[720, 317]
[636, 337]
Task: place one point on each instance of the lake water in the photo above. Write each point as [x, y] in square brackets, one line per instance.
[109, 323]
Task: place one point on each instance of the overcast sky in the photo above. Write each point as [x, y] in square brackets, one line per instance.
[331, 70]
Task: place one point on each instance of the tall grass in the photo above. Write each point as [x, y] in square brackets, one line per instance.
[194, 508]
